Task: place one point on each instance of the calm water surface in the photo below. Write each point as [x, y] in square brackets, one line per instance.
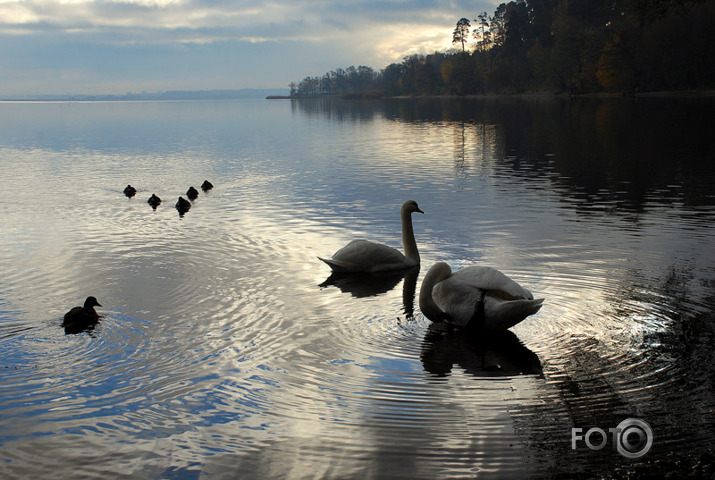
[223, 354]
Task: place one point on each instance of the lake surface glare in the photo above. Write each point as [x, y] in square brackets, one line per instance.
[224, 353]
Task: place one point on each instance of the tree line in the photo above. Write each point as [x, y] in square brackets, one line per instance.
[563, 46]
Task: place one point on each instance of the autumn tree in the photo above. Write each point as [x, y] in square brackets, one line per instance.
[575, 46]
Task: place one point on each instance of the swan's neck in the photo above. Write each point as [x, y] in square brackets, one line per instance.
[427, 306]
[438, 272]
[408, 237]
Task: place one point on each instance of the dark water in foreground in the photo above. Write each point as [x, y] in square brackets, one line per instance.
[221, 356]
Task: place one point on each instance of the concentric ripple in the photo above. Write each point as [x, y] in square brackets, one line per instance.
[225, 350]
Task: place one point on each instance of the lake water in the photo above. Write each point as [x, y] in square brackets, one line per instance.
[222, 354]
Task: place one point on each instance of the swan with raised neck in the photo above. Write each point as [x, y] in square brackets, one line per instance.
[367, 256]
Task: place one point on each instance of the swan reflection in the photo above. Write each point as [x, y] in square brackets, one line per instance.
[491, 354]
[361, 285]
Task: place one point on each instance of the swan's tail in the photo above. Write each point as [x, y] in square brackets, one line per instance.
[510, 313]
[534, 306]
[336, 265]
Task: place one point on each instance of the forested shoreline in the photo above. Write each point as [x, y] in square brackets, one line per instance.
[557, 46]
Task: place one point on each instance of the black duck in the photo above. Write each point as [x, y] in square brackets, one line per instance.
[81, 318]
[130, 191]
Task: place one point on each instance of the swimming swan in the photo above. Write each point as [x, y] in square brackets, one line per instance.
[366, 256]
[479, 297]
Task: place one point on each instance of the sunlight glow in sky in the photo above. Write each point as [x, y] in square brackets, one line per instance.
[89, 46]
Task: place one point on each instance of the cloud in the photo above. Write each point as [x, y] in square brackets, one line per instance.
[234, 43]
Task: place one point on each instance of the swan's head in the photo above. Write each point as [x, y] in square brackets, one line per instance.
[91, 302]
[410, 206]
[437, 272]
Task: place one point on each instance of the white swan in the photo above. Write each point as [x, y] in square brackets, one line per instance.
[366, 256]
[479, 297]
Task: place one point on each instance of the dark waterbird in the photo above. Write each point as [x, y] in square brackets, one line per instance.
[154, 201]
[192, 193]
[206, 186]
[183, 205]
[130, 191]
[82, 318]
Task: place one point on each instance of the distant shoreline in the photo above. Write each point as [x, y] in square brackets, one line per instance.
[281, 94]
[170, 95]
[373, 96]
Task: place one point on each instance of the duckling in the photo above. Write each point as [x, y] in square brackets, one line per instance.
[130, 191]
[154, 201]
[192, 193]
[206, 186]
[183, 205]
[81, 318]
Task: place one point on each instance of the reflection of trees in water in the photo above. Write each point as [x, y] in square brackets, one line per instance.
[338, 109]
[610, 155]
[475, 145]
[624, 153]
[618, 153]
[615, 153]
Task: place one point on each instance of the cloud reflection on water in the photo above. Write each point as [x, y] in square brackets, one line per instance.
[227, 353]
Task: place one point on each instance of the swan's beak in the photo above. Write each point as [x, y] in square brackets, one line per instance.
[418, 210]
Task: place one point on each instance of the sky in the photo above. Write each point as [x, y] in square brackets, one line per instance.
[121, 46]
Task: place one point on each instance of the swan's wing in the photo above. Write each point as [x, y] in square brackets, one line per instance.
[506, 302]
[366, 256]
[457, 299]
[487, 278]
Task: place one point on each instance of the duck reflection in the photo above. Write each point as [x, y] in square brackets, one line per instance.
[74, 329]
[490, 354]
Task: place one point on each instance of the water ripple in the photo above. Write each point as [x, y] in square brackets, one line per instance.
[221, 352]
